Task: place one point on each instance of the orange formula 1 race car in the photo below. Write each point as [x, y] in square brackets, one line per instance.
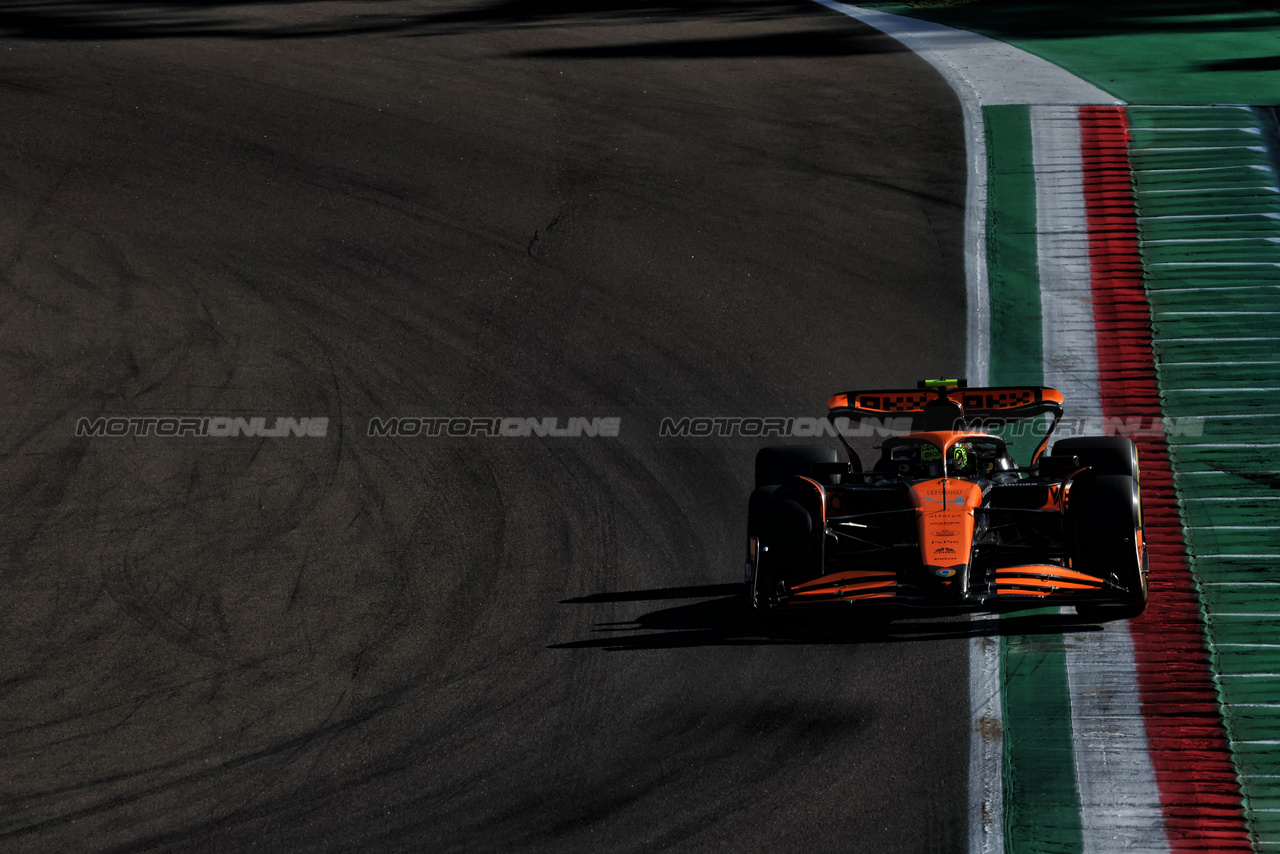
[946, 520]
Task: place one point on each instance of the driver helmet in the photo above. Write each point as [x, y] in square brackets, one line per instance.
[962, 460]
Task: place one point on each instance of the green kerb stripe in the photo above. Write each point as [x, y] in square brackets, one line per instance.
[1016, 348]
[1042, 805]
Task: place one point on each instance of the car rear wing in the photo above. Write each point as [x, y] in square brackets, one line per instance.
[952, 405]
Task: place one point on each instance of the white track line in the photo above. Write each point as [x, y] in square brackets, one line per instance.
[1062, 247]
[981, 71]
[986, 747]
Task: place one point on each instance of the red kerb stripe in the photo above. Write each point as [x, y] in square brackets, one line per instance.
[1193, 768]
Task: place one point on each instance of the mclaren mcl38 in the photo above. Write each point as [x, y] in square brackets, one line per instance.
[946, 520]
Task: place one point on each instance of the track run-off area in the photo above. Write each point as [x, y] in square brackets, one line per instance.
[352, 212]
[1141, 242]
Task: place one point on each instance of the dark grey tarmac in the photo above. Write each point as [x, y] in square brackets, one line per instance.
[384, 209]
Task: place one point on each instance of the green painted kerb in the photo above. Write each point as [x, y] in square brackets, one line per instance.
[1171, 52]
[1041, 804]
[1016, 348]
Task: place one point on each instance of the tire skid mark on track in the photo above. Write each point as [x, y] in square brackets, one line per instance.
[345, 643]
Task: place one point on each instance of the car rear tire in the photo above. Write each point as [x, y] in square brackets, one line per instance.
[777, 464]
[1105, 455]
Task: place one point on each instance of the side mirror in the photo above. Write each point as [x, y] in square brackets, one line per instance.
[834, 468]
[1059, 466]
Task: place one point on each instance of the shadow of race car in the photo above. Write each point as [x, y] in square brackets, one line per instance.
[946, 520]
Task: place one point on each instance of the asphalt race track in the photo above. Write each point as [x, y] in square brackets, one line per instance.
[372, 210]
